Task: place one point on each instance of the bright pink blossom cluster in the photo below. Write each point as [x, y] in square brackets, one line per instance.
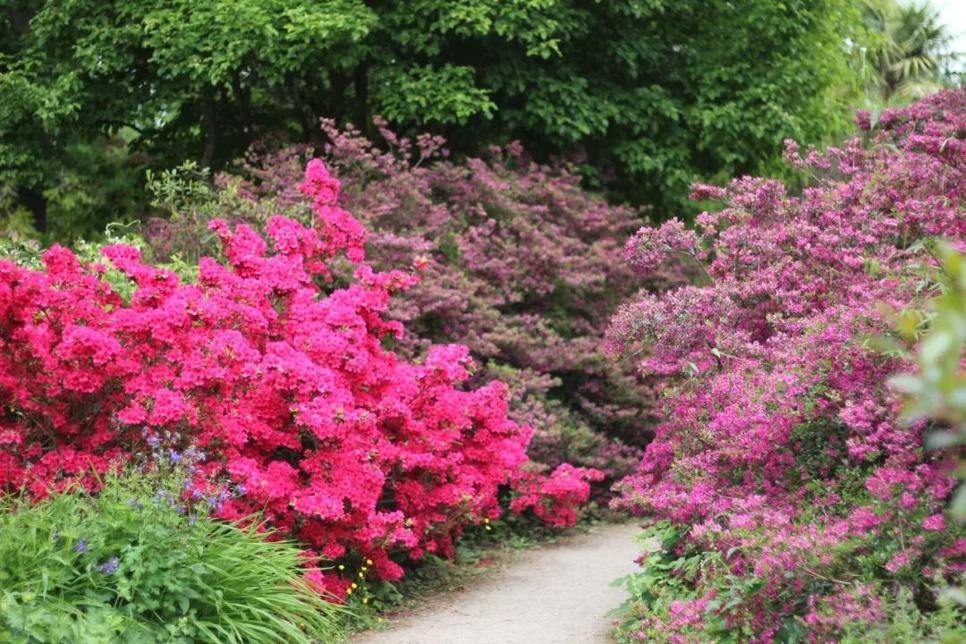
[280, 378]
[781, 448]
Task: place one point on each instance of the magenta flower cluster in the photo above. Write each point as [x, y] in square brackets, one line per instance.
[781, 460]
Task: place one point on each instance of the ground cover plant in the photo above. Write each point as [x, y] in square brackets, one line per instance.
[788, 498]
[521, 265]
[279, 374]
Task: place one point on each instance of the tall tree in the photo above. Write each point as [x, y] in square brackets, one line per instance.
[909, 53]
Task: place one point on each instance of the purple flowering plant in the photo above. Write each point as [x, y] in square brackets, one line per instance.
[787, 497]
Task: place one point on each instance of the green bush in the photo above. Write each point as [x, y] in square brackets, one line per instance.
[136, 562]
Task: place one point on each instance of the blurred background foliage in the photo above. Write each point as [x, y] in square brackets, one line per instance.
[645, 95]
[908, 54]
[937, 391]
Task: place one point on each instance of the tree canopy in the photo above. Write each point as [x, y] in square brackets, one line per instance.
[909, 54]
[648, 95]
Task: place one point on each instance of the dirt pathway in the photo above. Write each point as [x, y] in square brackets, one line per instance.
[558, 594]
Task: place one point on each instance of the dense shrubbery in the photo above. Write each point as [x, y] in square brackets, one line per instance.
[280, 376]
[142, 562]
[790, 500]
[522, 266]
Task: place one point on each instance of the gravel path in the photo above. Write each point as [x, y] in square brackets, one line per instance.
[558, 594]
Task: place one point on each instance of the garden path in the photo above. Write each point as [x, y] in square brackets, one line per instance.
[557, 594]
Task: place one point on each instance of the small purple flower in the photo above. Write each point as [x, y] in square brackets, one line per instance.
[110, 567]
[240, 490]
[81, 546]
[154, 440]
[174, 457]
[192, 520]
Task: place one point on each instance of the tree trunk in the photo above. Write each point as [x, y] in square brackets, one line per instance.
[243, 100]
[361, 81]
[208, 155]
[36, 203]
[338, 84]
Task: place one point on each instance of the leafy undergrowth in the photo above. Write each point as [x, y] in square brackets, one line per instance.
[142, 561]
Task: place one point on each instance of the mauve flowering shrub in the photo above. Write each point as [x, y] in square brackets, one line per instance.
[789, 500]
[280, 376]
[522, 266]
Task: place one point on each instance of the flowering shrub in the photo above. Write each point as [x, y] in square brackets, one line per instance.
[280, 376]
[790, 501]
[521, 265]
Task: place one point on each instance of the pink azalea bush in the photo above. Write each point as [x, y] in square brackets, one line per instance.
[521, 265]
[280, 376]
[787, 499]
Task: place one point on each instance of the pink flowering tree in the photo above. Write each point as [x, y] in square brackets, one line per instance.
[280, 376]
[787, 498]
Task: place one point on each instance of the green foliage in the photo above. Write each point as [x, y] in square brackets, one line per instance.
[137, 563]
[422, 94]
[189, 200]
[666, 577]
[908, 54]
[88, 185]
[26, 251]
[938, 390]
[653, 95]
[671, 568]
[906, 623]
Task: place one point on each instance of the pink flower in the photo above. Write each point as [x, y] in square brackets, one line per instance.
[651, 247]
[935, 523]
[780, 454]
[898, 562]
